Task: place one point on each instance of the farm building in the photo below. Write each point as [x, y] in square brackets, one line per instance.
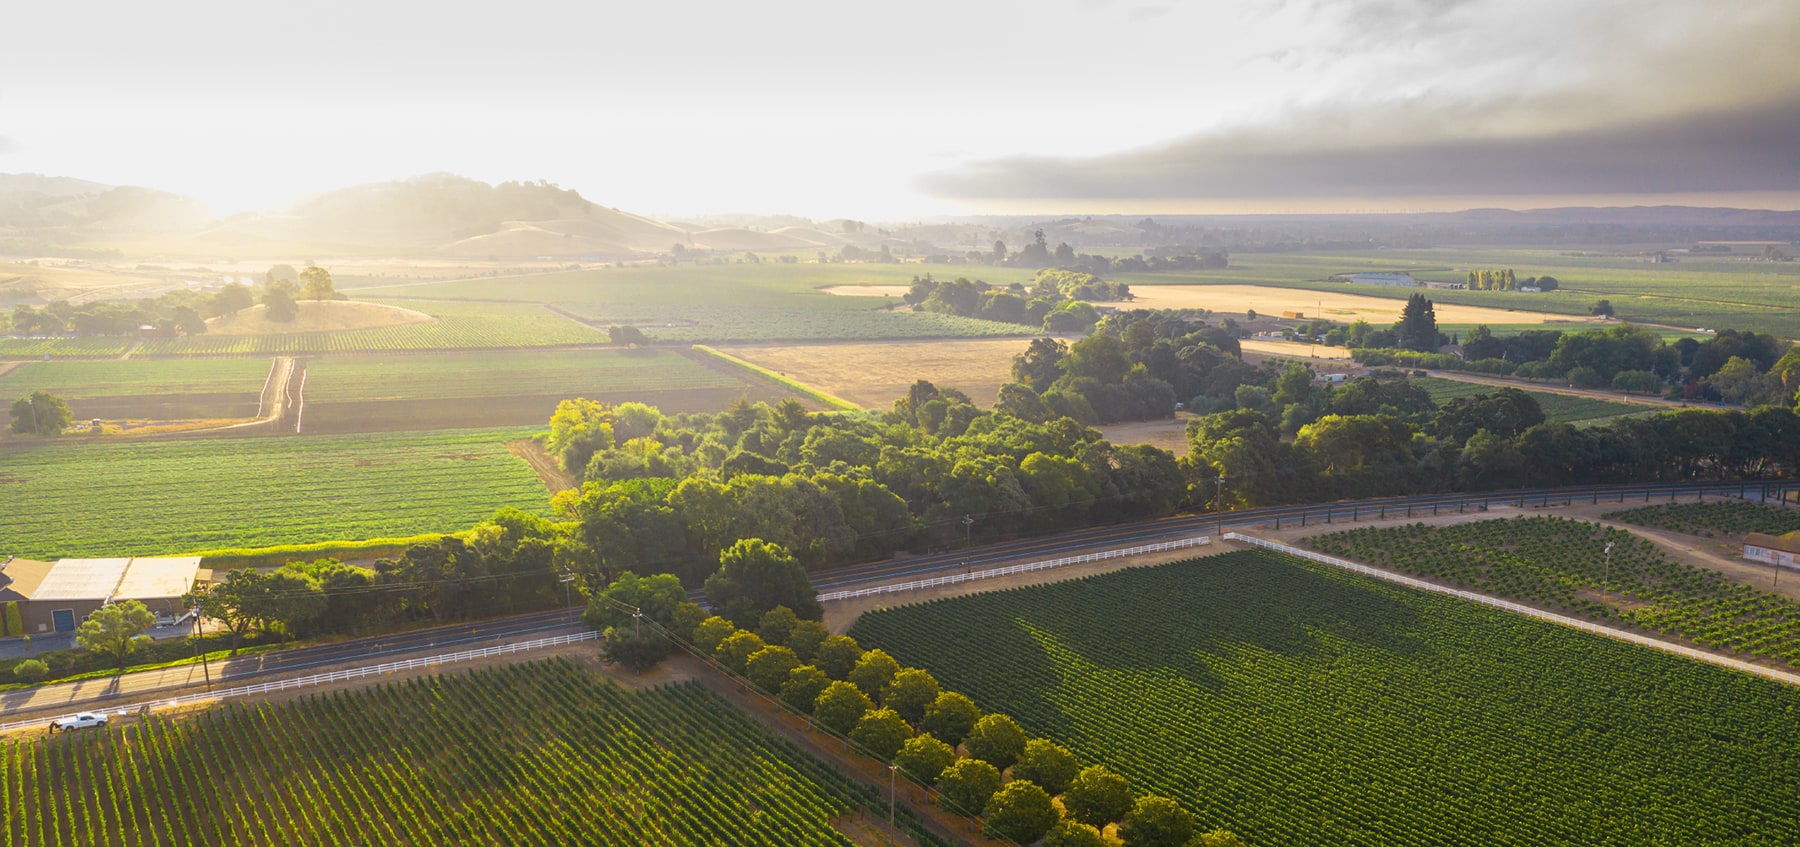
[1780, 550]
[1383, 279]
[56, 596]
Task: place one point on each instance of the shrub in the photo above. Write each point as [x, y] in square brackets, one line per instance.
[31, 670]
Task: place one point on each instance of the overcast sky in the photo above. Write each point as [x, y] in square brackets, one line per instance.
[926, 107]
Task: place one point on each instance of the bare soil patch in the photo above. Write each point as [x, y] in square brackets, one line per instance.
[547, 468]
[1169, 433]
[316, 316]
[1342, 307]
[875, 374]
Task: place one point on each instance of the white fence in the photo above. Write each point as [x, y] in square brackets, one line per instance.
[953, 579]
[1485, 600]
[319, 678]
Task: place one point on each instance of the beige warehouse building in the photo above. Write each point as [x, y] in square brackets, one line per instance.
[56, 596]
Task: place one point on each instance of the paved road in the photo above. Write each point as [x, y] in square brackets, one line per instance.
[72, 695]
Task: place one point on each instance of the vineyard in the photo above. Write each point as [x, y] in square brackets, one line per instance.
[1730, 517]
[165, 497]
[131, 377]
[458, 326]
[588, 373]
[539, 754]
[1558, 408]
[37, 348]
[1297, 704]
[1562, 565]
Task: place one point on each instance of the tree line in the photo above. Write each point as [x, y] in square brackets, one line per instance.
[178, 312]
[1055, 301]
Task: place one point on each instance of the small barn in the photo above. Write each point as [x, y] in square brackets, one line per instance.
[56, 596]
[1779, 550]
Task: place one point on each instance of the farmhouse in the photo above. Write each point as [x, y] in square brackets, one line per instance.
[1779, 550]
[56, 596]
[1383, 279]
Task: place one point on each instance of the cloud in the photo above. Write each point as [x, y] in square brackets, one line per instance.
[1698, 111]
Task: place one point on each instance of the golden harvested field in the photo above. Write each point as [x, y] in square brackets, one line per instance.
[867, 290]
[874, 375]
[1169, 433]
[1340, 307]
[317, 316]
[1294, 349]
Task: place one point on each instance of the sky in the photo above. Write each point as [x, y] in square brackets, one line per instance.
[929, 107]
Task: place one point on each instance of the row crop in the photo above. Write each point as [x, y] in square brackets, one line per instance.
[540, 754]
[507, 374]
[1731, 517]
[457, 326]
[1300, 705]
[1564, 565]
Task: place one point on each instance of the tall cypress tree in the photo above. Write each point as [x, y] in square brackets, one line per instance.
[1418, 324]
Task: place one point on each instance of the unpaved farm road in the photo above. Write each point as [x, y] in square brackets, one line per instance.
[277, 393]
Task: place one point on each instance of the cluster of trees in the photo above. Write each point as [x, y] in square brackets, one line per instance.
[510, 563]
[666, 492]
[896, 714]
[1372, 438]
[1039, 254]
[179, 312]
[1486, 279]
[1747, 368]
[1054, 300]
[41, 413]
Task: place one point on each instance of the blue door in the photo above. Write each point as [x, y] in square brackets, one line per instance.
[64, 620]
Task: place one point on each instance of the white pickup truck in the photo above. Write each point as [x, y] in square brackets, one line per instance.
[81, 720]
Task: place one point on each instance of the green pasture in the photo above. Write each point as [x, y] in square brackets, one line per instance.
[1558, 408]
[74, 380]
[459, 325]
[100, 498]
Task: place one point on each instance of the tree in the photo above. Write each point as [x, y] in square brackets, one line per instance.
[769, 667]
[950, 717]
[41, 413]
[881, 732]
[777, 625]
[924, 758]
[873, 671]
[279, 300]
[1020, 811]
[1097, 796]
[33, 670]
[1156, 822]
[1048, 764]
[238, 602]
[116, 630]
[999, 251]
[230, 300]
[909, 692]
[1040, 365]
[1418, 325]
[656, 596]
[754, 577]
[710, 632]
[735, 651]
[805, 638]
[638, 648]
[1073, 834]
[996, 739]
[1221, 837]
[840, 706]
[315, 282]
[1601, 309]
[627, 336]
[803, 687]
[282, 272]
[837, 655]
[968, 784]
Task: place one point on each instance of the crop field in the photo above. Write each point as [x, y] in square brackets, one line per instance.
[459, 325]
[38, 348]
[1730, 517]
[875, 375]
[1296, 704]
[1563, 565]
[1342, 303]
[168, 497]
[1558, 408]
[132, 377]
[585, 373]
[540, 754]
[725, 303]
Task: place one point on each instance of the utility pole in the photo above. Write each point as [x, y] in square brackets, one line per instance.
[968, 523]
[1606, 570]
[892, 769]
[567, 578]
[34, 420]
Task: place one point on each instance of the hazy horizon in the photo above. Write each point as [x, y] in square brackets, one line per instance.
[822, 111]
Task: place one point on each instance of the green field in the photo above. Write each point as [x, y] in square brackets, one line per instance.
[541, 754]
[459, 325]
[1297, 704]
[95, 498]
[1564, 565]
[134, 377]
[1730, 517]
[507, 374]
[38, 348]
[1558, 408]
[747, 302]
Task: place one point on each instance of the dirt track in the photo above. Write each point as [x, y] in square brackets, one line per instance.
[547, 468]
